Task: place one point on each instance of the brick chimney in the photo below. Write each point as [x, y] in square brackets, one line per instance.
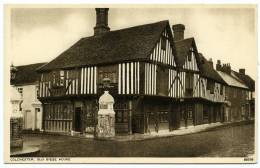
[178, 31]
[101, 21]
[218, 65]
[13, 71]
[242, 71]
[211, 62]
[226, 68]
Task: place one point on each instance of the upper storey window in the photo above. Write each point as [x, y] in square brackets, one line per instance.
[221, 89]
[20, 90]
[163, 45]
[107, 73]
[189, 84]
[107, 78]
[162, 81]
[58, 78]
[190, 54]
[210, 86]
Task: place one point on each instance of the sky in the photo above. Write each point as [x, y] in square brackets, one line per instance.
[221, 32]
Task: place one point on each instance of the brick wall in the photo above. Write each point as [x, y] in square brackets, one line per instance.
[16, 127]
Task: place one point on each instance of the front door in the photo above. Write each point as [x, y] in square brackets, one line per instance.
[78, 119]
[37, 118]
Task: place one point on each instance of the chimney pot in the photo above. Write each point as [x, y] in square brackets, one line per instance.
[210, 62]
[218, 65]
[242, 71]
[178, 31]
[101, 21]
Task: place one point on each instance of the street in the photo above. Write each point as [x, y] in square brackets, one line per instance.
[235, 141]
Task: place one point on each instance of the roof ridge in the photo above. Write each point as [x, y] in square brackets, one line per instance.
[148, 24]
[127, 28]
[29, 64]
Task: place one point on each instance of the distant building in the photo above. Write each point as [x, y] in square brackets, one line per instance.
[238, 93]
[25, 79]
[249, 106]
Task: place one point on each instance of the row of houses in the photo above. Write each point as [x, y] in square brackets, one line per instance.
[158, 78]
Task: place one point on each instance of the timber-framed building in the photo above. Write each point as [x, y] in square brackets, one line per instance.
[159, 81]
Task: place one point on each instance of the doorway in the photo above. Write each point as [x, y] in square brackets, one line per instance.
[37, 118]
[78, 119]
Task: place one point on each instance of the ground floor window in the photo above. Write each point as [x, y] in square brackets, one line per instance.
[190, 116]
[163, 116]
[205, 113]
[121, 110]
[58, 117]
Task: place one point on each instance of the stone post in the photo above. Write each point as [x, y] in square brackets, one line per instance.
[106, 117]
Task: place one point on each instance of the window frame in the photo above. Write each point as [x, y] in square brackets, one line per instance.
[20, 90]
[163, 42]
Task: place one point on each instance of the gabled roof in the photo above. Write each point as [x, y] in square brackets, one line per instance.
[134, 43]
[26, 74]
[207, 70]
[250, 83]
[182, 48]
[232, 80]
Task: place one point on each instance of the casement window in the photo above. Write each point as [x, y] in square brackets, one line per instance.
[107, 73]
[163, 116]
[190, 54]
[111, 76]
[61, 78]
[58, 78]
[189, 109]
[162, 81]
[58, 116]
[189, 84]
[221, 89]
[163, 43]
[37, 110]
[163, 113]
[210, 86]
[20, 90]
[37, 92]
[121, 110]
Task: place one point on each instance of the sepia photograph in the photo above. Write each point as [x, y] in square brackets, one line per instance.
[130, 83]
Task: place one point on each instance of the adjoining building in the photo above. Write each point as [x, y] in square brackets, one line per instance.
[25, 80]
[238, 93]
[248, 108]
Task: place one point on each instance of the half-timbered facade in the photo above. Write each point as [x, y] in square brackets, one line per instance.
[201, 91]
[152, 76]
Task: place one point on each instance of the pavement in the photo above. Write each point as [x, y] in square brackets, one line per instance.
[162, 133]
[178, 132]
